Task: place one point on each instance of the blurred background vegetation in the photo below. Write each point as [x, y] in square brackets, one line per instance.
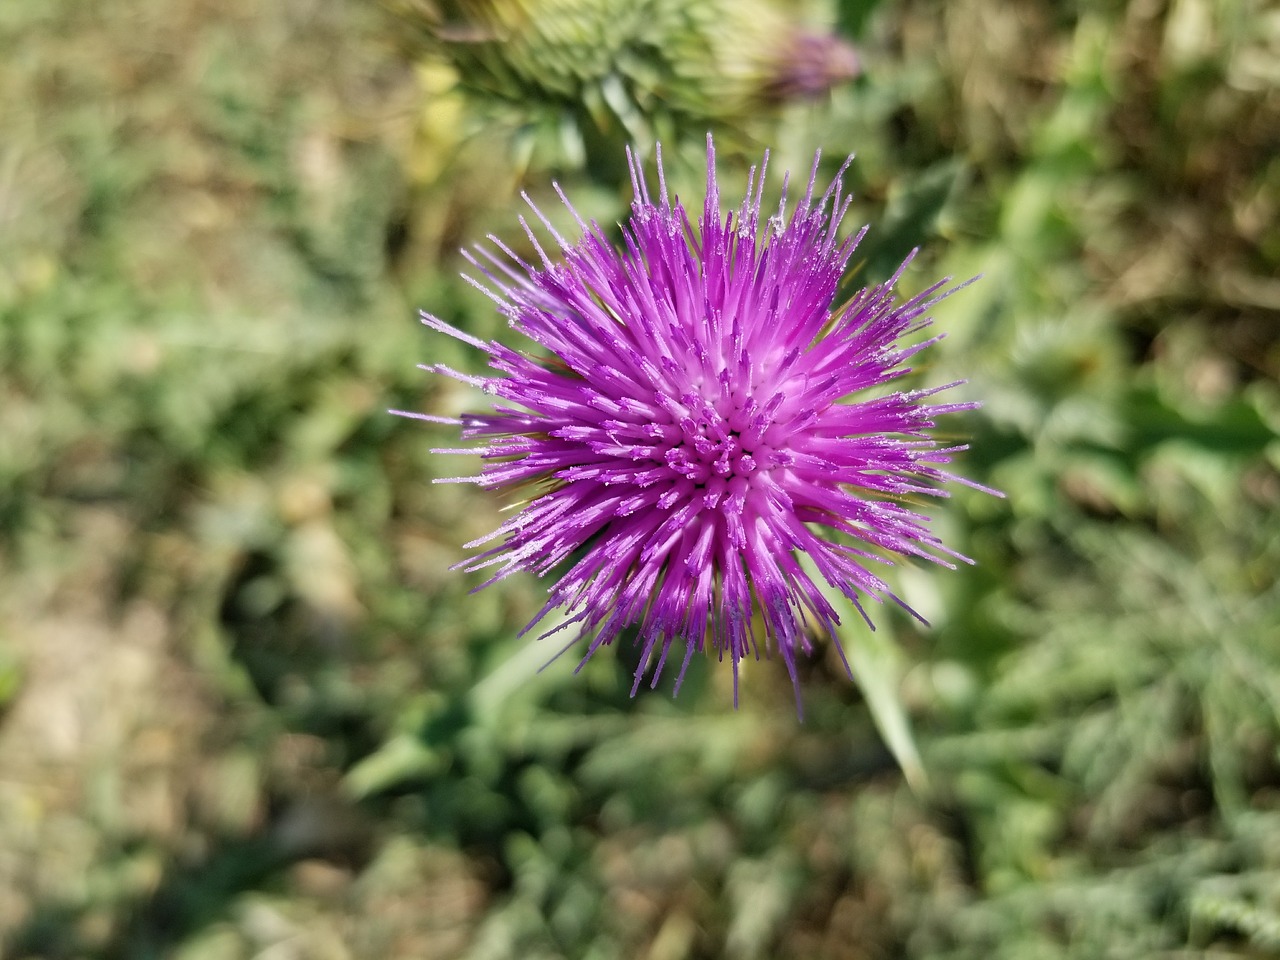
[247, 711]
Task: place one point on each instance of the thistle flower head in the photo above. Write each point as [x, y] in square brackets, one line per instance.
[693, 416]
[808, 64]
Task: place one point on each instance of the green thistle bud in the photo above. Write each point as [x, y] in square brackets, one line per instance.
[581, 74]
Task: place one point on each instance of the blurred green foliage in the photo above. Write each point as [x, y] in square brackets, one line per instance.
[247, 710]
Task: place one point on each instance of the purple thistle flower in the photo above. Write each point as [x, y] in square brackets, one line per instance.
[697, 415]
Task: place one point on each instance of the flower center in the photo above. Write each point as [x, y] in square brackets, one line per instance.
[705, 443]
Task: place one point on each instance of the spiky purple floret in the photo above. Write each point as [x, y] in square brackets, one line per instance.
[686, 428]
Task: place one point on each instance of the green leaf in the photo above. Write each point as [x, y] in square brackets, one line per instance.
[914, 207]
[400, 759]
[875, 660]
[852, 16]
[1235, 427]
